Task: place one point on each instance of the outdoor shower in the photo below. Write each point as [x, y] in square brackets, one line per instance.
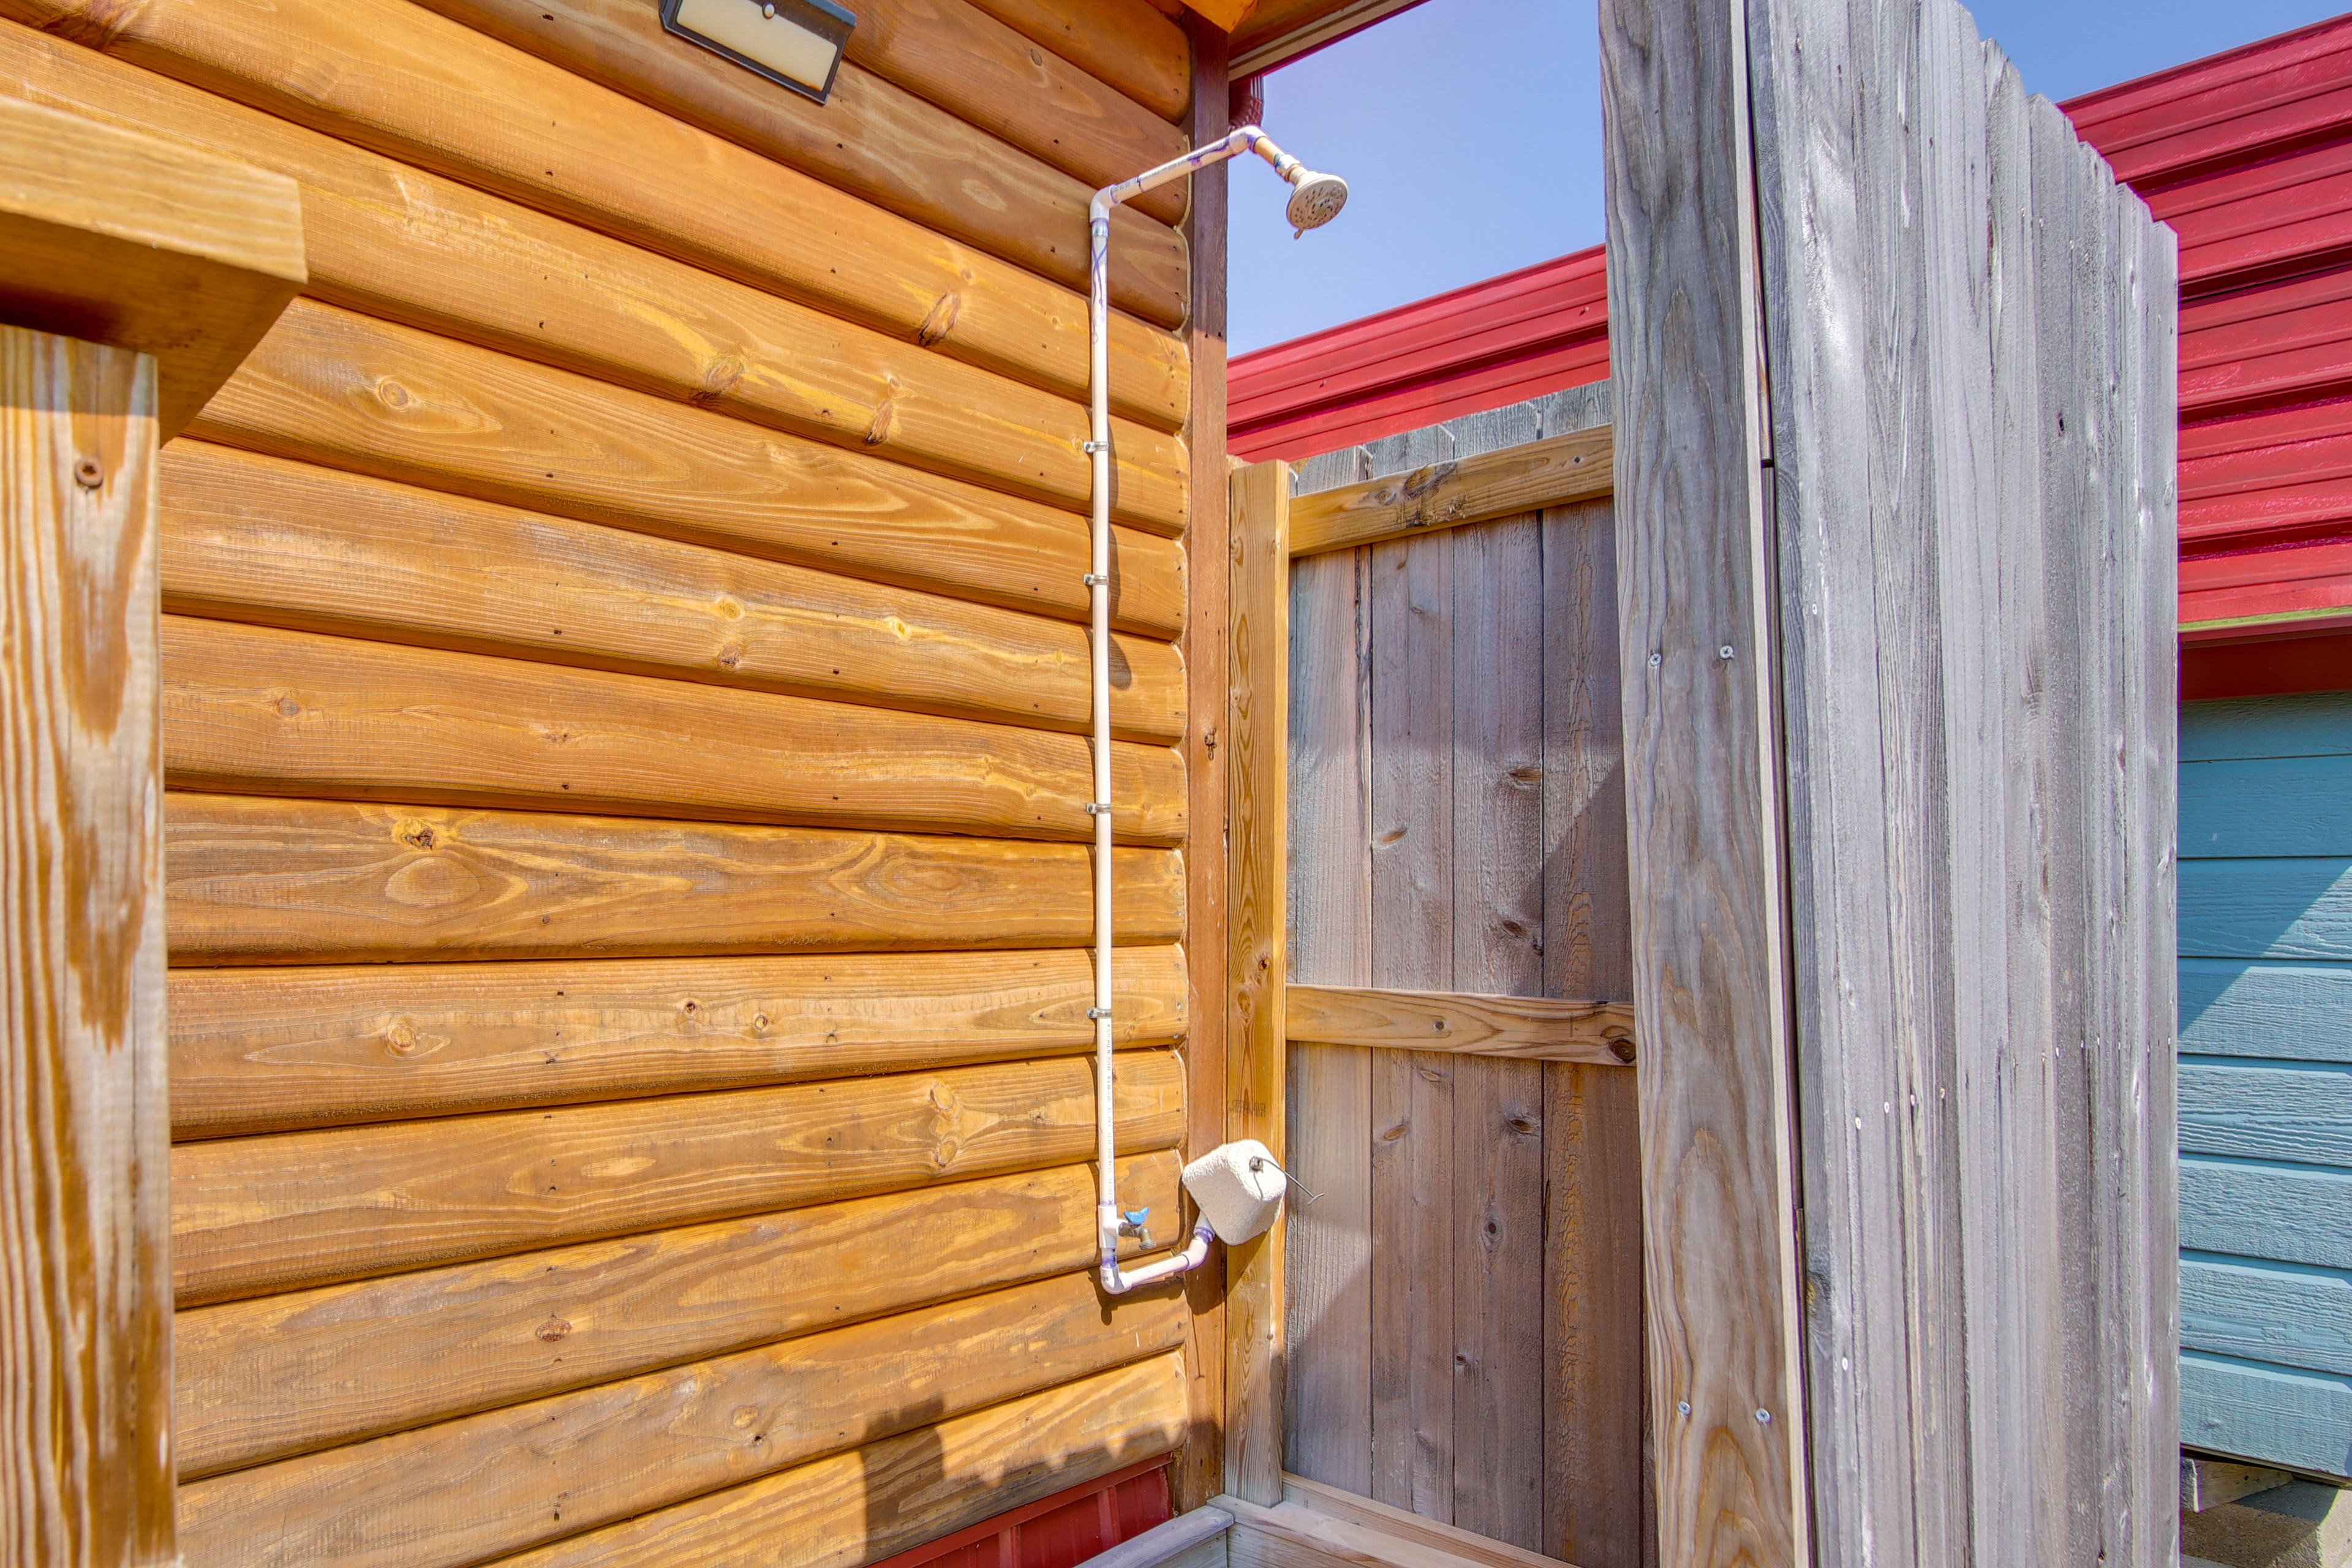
[1238, 1186]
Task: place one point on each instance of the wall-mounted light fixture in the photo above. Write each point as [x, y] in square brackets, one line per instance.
[793, 43]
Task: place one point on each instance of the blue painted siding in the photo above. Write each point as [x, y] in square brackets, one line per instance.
[2245, 1007]
[2266, 1079]
[2257, 1208]
[2275, 1413]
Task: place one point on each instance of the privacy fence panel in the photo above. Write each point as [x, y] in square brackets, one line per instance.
[1465, 1291]
[1894, 362]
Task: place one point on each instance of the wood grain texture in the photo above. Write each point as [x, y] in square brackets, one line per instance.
[256, 1216]
[1703, 829]
[1293, 1535]
[1498, 896]
[1600, 1508]
[256, 539]
[347, 392]
[1527, 1028]
[1409, 617]
[864, 1506]
[555, 1467]
[1338, 1503]
[257, 1051]
[394, 78]
[251, 710]
[986, 73]
[1968, 329]
[378, 235]
[1517, 480]
[254, 880]
[1199, 1471]
[1257, 723]
[1864, 721]
[85, 1427]
[870, 138]
[278, 1376]
[1126, 43]
[121, 239]
[1327, 1408]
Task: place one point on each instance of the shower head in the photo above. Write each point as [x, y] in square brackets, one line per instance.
[1318, 199]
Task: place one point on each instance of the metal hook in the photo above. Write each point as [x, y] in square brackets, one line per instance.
[1259, 1162]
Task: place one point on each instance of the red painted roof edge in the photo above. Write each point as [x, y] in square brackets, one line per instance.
[1319, 345]
[1318, 379]
[2176, 82]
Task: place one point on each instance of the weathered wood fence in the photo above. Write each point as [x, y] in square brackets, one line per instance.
[1464, 1293]
[1893, 365]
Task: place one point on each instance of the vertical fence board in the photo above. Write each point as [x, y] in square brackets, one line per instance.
[1496, 902]
[1328, 1413]
[1411, 604]
[1853, 438]
[1598, 1508]
[85, 1293]
[1702, 801]
[1967, 327]
[2152, 762]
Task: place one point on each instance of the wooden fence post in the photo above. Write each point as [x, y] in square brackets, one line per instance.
[102, 235]
[1258, 724]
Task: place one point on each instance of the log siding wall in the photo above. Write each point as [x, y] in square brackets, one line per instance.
[625, 688]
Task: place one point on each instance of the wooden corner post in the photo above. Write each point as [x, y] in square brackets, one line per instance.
[134, 275]
[1257, 723]
[1200, 1473]
[1704, 827]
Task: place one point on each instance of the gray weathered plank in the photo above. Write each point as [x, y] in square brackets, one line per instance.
[1598, 1510]
[1854, 421]
[1411, 602]
[1328, 1415]
[1964, 775]
[1496, 905]
[1709, 946]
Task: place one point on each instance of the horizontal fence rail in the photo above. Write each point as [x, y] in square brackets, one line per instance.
[1531, 1029]
[1553, 472]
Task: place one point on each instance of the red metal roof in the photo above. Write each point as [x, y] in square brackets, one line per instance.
[2247, 155]
[1486, 346]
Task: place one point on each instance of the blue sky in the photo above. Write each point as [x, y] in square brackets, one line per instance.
[1469, 131]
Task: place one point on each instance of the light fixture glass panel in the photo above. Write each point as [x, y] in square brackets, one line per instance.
[797, 43]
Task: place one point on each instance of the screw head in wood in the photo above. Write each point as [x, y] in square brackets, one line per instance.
[88, 475]
[1723, 652]
[1683, 1406]
[1765, 1416]
[1656, 660]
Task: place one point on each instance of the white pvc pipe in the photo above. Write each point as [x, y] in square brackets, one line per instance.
[1109, 1221]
